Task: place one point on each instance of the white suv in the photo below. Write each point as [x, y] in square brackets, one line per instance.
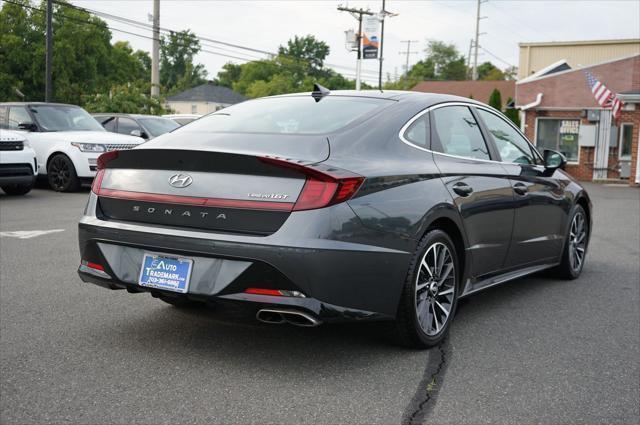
[66, 139]
[17, 163]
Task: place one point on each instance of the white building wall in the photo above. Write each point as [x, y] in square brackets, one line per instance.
[200, 108]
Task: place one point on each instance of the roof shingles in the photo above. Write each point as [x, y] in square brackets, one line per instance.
[208, 92]
[480, 90]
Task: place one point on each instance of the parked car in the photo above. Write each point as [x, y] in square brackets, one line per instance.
[145, 126]
[182, 119]
[17, 163]
[66, 139]
[335, 206]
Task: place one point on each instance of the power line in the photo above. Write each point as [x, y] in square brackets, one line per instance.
[496, 57]
[246, 58]
[408, 52]
[201, 38]
[87, 22]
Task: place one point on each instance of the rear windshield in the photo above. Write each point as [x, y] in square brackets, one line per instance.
[288, 114]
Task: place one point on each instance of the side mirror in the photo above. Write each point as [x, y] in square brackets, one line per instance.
[554, 160]
[139, 133]
[28, 126]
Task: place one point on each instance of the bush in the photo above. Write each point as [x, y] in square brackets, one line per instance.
[495, 100]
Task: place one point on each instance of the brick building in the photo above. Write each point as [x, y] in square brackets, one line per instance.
[479, 90]
[558, 111]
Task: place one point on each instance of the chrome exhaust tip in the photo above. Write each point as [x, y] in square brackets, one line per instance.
[293, 317]
[269, 316]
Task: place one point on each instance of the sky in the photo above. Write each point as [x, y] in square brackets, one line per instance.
[265, 25]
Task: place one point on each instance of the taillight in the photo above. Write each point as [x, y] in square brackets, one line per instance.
[105, 158]
[324, 186]
[274, 292]
[102, 162]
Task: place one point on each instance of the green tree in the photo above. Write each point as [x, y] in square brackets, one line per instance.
[511, 73]
[442, 62]
[18, 40]
[177, 70]
[448, 63]
[130, 98]
[127, 65]
[512, 113]
[495, 99]
[309, 50]
[84, 61]
[296, 68]
[230, 74]
[488, 71]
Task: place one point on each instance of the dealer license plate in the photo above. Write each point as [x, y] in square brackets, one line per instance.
[169, 273]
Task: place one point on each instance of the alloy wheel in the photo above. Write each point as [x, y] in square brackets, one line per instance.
[59, 172]
[577, 241]
[435, 289]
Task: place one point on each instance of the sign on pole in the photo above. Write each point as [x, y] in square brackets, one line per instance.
[370, 37]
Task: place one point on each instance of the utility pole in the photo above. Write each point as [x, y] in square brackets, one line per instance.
[357, 13]
[155, 51]
[407, 53]
[469, 57]
[48, 90]
[383, 14]
[476, 44]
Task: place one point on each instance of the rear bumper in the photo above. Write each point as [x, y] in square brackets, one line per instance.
[340, 279]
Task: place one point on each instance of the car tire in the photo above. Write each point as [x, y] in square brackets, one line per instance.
[62, 174]
[575, 247]
[429, 291]
[17, 189]
[181, 302]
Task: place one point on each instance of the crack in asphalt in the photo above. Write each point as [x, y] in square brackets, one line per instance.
[425, 397]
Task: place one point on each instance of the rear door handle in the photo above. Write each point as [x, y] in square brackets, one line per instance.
[520, 188]
[462, 189]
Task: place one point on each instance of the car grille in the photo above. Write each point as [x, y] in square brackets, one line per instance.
[118, 147]
[12, 146]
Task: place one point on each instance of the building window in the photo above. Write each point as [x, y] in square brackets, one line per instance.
[626, 139]
[559, 135]
[194, 109]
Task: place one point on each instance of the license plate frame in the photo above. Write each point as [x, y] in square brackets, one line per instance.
[166, 272]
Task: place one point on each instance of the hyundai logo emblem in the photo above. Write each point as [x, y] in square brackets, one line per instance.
[180, 180]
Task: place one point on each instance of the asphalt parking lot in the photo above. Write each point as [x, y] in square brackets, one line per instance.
[536, 350]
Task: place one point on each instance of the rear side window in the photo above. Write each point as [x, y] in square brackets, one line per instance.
[109, 123]
[289, 115]
[418, 132]
[18, 115]
[3, 117]
[457, 133]
[511, 145]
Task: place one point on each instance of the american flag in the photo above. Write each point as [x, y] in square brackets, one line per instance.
[605, 97]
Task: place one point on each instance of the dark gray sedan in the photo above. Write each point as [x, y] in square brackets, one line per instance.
[326, 207]
[145, 126]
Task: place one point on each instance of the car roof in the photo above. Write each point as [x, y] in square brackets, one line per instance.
[398, 95]
[37, 104]
[120, 114]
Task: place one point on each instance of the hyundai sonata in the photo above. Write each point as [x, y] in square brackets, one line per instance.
[333, 206]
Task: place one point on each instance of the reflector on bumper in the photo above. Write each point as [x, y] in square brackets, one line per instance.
[94, 269]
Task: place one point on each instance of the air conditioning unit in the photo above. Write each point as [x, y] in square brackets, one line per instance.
[593, 115]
